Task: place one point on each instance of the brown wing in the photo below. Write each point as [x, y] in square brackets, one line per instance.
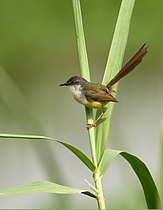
[98, 92]
[130, 65]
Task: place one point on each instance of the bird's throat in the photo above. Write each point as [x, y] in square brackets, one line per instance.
[78, 94]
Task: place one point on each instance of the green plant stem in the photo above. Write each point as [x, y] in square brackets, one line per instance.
[91, 133]
[100, 196]
[84, 68]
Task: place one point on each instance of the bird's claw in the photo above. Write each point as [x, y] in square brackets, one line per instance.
[91, 125]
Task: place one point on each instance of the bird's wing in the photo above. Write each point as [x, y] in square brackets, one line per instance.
[100, 93]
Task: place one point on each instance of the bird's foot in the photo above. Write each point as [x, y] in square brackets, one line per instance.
[91, 125]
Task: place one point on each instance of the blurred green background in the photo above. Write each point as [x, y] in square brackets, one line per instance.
[37, 53]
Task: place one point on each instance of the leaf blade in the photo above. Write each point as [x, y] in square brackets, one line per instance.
[78, 153]
[146, 180]
[113, 65]
[42, 186]
[108, 157]
[149, 187]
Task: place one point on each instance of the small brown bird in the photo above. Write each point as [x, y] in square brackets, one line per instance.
[96, 95]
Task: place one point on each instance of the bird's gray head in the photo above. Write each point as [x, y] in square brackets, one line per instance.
[75, 80]
[76, 85]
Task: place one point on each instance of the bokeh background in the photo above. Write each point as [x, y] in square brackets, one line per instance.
[38, 52]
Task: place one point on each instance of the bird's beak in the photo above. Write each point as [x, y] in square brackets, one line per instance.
[64, 84]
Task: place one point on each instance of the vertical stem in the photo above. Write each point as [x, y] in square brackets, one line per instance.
[100, 195]
[91, 133]
[84, 67]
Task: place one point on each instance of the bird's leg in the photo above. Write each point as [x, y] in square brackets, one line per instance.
[99, 117]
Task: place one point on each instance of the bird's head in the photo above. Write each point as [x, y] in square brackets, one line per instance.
[75, 81]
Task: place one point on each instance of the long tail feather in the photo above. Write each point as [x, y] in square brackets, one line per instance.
[130, 65]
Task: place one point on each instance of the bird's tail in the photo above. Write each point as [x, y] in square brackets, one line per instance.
[130, 65]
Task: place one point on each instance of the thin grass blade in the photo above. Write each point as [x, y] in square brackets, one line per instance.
[73, 149]
[108, 157]
[42, 186]
[142, 172]
[80, 37]
[114, 63]
[84, 68]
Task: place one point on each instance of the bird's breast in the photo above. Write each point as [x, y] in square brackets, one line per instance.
[78, 94]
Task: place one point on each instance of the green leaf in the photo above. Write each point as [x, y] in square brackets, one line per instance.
[142, 172]
[73, 149]
[84, 69]
[80, 155]
[42, 186]
[107, 159]
[80, 38]
[147, 182]
[114, 63]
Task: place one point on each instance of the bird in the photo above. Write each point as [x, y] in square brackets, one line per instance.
[97, 95]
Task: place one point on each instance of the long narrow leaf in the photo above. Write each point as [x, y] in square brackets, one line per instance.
[147, 182]
[84, 68]
[80, 155]
[80, 37]
[43, 186]
[73, 149]
[108, 157]
[113, 65]
[142, 172]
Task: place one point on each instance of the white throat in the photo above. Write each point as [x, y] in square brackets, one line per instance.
[77, 92]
